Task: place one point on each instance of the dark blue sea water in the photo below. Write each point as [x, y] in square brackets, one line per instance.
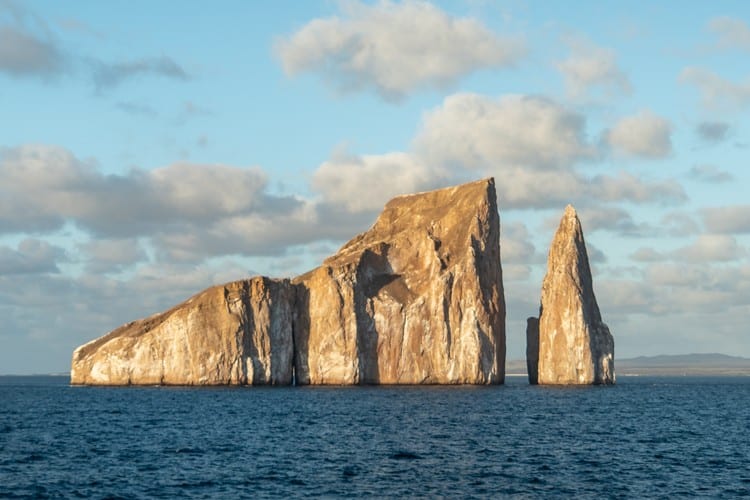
[645, 437]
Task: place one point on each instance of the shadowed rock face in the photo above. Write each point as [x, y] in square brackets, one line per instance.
[417, 299]
[574, 345]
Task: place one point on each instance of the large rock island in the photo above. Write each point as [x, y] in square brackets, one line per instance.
[569, 343]
[417, 299]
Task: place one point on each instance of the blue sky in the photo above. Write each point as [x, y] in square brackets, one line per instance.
[149, 151]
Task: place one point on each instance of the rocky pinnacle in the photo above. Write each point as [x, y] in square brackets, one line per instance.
[574, 345]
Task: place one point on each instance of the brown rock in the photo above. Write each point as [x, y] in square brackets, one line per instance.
[575, 346]
[417, 299]
[238, 333]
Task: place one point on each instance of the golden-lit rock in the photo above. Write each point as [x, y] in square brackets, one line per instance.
[417, 299]
[234, 334]
[574, 345]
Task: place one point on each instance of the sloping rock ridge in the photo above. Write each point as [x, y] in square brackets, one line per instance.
[234, 334]
[570, 344]
[417, 299]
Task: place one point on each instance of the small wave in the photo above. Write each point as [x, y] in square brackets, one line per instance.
[405, 455]
[189, 451]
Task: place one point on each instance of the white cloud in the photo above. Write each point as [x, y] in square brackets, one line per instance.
[531, 145]
[44, 186]
[717, 92]
[732, 33]
[478, 132]
[712, 248]
[186, 211]
[729, 219]
[394, 48]
[643, 134]
[590, 69]
[626, 186]
[366, 183]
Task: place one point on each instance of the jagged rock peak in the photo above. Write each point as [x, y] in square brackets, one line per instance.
[575, 346]
[417, 299]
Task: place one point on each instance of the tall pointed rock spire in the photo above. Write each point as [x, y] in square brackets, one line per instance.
[574, 345]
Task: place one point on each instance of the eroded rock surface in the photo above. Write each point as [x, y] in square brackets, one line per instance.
[234, 334]
[575, 346]
[417, 299]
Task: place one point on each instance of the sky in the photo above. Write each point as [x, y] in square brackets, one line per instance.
[148, 152]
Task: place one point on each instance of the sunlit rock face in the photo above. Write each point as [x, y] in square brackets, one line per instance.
[417, 299]
[234, 334]
[574, 345]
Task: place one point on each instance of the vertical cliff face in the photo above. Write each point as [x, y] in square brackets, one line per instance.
[416, 299]
[238, 333]
[575, 346]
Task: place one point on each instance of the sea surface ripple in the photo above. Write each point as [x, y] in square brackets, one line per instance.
[645, 437]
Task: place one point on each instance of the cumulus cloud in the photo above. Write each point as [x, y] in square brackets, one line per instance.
[475, 131]
[394, 48]
[706, 248]
[188, 211]
[717, 92]
[31, 256]
[532, 146]
[644, 134]
[712, 248]
[726, 220]
[109, 75]
[732, 33]
[590, 69]
[365, 183]
[626, 186]
[43, 186]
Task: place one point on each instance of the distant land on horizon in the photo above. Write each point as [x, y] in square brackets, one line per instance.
[667, 364]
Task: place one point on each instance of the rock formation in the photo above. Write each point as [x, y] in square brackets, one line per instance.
[532, 350]
[238, 333]
[417, 299]
[574, 345]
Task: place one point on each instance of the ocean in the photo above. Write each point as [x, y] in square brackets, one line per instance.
[644, 437]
